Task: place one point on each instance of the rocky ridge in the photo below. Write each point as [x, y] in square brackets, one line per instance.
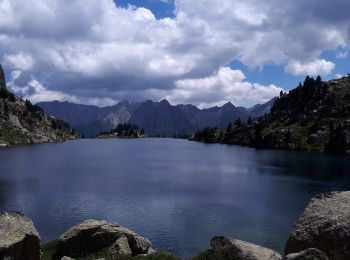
[21, 122]
[156, 118]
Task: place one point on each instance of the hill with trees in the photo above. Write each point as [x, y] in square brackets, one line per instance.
[315, 116]
[124, 131]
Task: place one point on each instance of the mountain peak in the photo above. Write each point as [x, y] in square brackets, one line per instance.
[228, 104]
[124, 102]
[2, 78]
[164, 102]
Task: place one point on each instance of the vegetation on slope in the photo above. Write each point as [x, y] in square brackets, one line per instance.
[315, 116]
[124, 131]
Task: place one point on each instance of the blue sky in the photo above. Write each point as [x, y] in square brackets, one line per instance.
[161, 9]
[188, 51]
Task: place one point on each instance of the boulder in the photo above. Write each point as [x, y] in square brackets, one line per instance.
[101, 238]
[325, 224]
[19, 240]
[232, 249]
[308, 254]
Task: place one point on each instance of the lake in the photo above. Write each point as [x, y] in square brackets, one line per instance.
[177, 193]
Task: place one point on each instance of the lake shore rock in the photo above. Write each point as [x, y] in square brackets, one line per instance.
[101, 238]
[233, 249]
[325, 225]
[321, 233]
[308, 254]
[19, 239]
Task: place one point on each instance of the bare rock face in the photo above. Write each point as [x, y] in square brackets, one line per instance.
[308, 254]
[232, 249]
[101, 238]
[2, 78]
[325, 224]
[19, 240]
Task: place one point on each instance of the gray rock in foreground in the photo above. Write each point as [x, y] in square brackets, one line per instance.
[232, 249]
[101, 238]
[19, 240]
[308, 254]
[325, 224]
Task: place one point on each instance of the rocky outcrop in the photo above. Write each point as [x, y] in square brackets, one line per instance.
[19, 240]
[325, 225]
[101, 238]
[308, 254]
[2, 78]
[24, 123]
[232, 249]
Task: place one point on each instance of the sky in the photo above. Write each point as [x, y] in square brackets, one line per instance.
[203, 52]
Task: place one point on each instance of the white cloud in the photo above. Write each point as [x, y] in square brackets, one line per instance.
[96, 48]
[338, 76]
[20, 61]
[36, 92]
[226, 85]
[315, 67]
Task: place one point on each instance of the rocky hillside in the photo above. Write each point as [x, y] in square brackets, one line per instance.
[24, 123]
[315, 116]
[157, 118]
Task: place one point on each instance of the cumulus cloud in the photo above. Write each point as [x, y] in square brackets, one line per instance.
[36, 92]
[98, 50]
[315, 67]
[20, 61]
[224, 86]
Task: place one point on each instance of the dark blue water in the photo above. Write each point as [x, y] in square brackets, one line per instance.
[177, 193]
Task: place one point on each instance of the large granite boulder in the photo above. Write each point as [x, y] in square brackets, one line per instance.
[325, 224]
[101, 238]
[232, 249]
[19, 240]
[308, 254]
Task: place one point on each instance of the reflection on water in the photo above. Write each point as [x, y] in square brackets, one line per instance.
[177, 193]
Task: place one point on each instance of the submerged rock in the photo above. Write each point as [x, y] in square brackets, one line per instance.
[101, 238]
[325, 224]
[19, 240]
[308, 254]
[232, 249]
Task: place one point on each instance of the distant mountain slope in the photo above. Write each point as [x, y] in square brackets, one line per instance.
[23, 123]
[259, 110]
[90, 120]
[156, 118]
[313, 117]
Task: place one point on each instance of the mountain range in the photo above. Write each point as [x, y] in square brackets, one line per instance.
[156, 118]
